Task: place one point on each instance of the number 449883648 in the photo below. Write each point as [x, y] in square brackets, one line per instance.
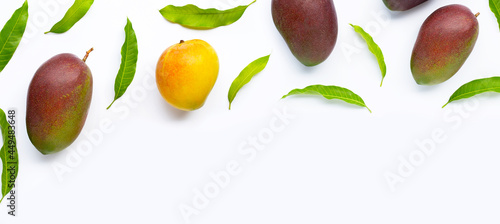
[11, 118]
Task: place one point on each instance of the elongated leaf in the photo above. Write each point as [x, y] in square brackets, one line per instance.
[495, 8]
[9, 155]
[12, 33]
[374, 48]
[72, 16]
[128, 65]
[330, 92]
[194, 17]
[246, 75]
[475, 87]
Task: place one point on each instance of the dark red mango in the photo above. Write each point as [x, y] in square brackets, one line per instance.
[444, 43]
[402, 5]
[309, 27]
[58, 101]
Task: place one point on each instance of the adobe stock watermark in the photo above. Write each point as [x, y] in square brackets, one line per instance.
[381, 20]
[248, 151]
[454, 115]
[137, 93]
[11, 163]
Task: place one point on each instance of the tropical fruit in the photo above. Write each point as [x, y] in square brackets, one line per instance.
[309, 28]
[58, 102]
[186, 73]
[445, 41]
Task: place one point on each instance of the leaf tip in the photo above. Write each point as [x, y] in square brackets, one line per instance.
[445, 105]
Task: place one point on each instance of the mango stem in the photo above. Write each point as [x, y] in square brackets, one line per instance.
[182, 41]
[477, 14]
[87, 54]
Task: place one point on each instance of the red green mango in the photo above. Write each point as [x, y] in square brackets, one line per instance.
[309, 28]
[445, 41]
[58, 102]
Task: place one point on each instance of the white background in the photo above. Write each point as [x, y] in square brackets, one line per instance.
[327, 166]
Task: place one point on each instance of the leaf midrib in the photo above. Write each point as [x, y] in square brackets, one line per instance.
[63, 21]
[202, 12]
[122, 75]
[12, 31]
[476, 91]
[496, 6]
[332, 96]
[248, 77]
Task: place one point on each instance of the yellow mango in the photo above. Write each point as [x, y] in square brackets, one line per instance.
[186, 73]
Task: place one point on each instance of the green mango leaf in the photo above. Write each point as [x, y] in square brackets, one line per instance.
[330, 92]
[193, 17]
[128, 65]
[374, 48]
[495, 8]
[246, 75]
[72, 16]
[476, 87]
[12, 33]
[9, 155]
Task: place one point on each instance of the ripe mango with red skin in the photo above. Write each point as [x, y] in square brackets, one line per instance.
[445, 41]
[309, 28]
[402, 5]
[58, 102]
